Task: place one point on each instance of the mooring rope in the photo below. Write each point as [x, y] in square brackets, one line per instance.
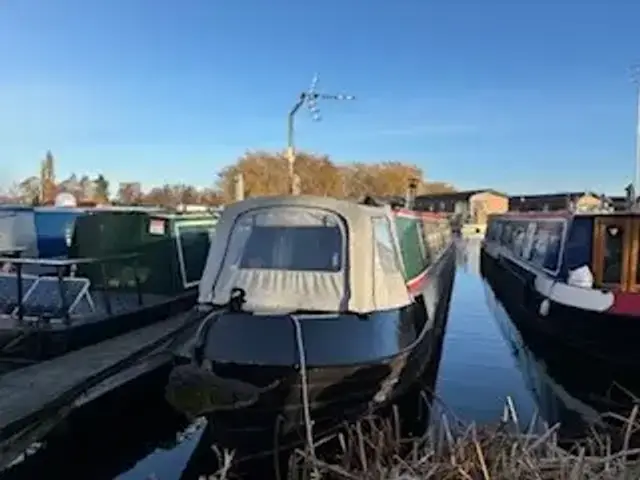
[308, 423]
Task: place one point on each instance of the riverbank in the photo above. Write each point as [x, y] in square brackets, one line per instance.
[373, 449]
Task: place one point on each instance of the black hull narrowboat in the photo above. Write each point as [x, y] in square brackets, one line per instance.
[573, 277]
[288, 366]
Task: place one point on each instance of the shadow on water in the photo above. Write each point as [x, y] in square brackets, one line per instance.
[107, 441]
[570, 389]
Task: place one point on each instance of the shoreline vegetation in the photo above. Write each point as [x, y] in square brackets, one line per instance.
[373, 449]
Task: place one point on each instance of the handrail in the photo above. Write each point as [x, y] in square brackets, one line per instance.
[67, 262]
[60, 264]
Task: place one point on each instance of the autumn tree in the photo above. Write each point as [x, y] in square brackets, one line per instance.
[380, 179]
[268, 174]
[129, 193]
[263, 173]
[100, 189]
[47, 183]
[159, 196]
[211, 197]
[29, 191]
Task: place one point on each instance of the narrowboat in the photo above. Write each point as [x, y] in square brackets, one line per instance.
[123, 269]
[320, 310]
[573, 276]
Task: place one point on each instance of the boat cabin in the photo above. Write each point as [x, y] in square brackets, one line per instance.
[423, 238]
[37, 232]
[559, 244]
[118, 261]
[318, 254]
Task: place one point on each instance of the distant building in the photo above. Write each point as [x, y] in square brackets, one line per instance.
[549, 202]
[471, 206]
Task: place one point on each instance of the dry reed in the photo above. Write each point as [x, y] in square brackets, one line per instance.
[373, 449]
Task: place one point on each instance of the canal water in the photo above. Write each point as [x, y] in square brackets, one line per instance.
[484, 360]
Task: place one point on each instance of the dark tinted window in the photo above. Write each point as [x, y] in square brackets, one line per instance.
[613, 254]
[195, 241]
[305, 248]
[579, 243]
[54, 231]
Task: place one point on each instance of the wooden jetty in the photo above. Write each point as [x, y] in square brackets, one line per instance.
[34, 399]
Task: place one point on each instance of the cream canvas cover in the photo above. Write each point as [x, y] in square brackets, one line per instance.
[305, 253]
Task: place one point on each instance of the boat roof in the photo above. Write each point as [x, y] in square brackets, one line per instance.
[564, 214]
[360, 283]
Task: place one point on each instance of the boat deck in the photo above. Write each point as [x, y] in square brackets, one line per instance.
[36, 394]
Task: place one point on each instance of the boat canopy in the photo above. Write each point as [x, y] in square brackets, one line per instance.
[305, 253]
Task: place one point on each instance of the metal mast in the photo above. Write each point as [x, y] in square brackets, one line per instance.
[310, 98]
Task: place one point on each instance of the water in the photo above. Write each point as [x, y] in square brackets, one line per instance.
[477, 370]
[484, 359]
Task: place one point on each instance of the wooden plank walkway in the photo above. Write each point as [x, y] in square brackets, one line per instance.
[34, 393]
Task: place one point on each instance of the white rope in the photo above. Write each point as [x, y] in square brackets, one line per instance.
[308, 423]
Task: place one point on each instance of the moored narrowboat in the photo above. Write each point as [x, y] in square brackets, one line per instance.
[108, 317]
[320, 310]
[123, 269]
[572, 276]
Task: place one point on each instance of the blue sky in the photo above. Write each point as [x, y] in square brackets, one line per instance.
[519, 96]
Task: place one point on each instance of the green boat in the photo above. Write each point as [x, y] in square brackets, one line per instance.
[126, 268]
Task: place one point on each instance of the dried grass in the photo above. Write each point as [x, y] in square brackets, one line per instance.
[373, 449]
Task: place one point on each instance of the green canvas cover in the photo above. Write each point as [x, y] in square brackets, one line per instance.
[408, 229]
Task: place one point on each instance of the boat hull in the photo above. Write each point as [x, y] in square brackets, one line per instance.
[605, 336]
[355, 367]
[59, 338]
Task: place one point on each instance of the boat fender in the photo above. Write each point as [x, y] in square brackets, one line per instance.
[545, 306]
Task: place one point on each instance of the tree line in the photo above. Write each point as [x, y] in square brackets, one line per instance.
[263, 173]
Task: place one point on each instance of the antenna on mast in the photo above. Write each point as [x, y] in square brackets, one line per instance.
[310, 100]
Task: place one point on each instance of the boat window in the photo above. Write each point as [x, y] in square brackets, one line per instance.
[490, 234]
[529, 239]
[288, 239]
[494, 231]
[613, 238]
[384, 245]
[579, 243]
[518, 239]
[553, 249]
[539, 248]
[194, 241]
[53, 228]
[507, 235]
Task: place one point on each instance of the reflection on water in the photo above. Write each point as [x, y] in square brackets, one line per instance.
[485, 358]
[105, 446]
[569, 389]
[478, 371]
